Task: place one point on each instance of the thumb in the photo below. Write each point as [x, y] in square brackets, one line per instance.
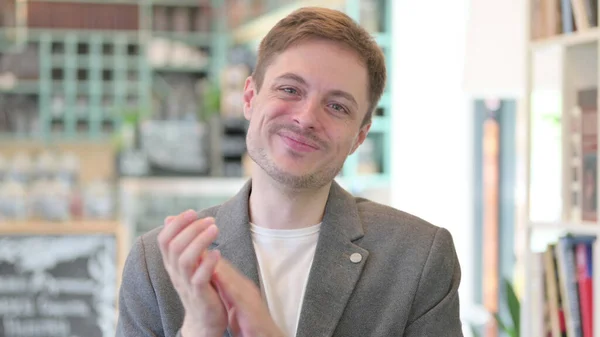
[234, 326]
[225, 298]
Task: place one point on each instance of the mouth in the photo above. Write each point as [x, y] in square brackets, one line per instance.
[299, 143]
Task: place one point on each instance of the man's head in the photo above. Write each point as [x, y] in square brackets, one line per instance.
[321, 23]
[317, 81]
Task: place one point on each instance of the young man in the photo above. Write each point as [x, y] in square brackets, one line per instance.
[293, 254]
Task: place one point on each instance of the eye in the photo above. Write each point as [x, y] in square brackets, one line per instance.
[289, 90]
[338, 107]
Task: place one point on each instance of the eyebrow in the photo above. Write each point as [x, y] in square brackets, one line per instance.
[345, 95]
[293, 77]
[297, 78]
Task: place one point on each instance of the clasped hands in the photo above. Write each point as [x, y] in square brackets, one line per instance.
[213, 293]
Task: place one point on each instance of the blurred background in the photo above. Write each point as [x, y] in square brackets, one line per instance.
[117, 113]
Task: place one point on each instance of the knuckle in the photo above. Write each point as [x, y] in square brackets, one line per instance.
[185, 263]
[175, 248]
[197, 282]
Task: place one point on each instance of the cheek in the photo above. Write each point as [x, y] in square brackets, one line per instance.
[343, 142]
[280, 108]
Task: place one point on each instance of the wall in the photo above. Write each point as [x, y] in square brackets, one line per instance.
[495, 48]
[432, 160]
[446, 53]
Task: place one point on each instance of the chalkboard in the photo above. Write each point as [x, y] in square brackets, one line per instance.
[58, 285]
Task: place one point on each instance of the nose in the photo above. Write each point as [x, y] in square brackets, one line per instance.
[307, 116]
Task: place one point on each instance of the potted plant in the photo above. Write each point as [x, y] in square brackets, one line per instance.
[511, 327]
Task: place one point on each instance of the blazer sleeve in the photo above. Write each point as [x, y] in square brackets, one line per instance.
[139, 314]
[435, 310]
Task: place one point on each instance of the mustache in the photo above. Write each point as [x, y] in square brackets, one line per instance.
[300, 132]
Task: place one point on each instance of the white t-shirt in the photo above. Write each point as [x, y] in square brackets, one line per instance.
[284, 259]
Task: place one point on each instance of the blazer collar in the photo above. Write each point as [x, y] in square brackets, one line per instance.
[235, 239]
[336, 268]
[341, 215]
[333, 274]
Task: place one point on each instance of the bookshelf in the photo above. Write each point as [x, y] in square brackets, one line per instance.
[84, 76]
[562, 79]
[256, 28]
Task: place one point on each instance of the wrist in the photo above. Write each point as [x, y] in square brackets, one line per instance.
[192, 329]
[275, 331]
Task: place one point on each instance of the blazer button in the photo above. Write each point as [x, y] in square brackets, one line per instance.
[355, 258]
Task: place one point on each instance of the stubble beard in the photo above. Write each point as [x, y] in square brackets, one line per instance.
[314, 180]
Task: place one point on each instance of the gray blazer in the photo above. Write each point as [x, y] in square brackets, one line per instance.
[406, 283]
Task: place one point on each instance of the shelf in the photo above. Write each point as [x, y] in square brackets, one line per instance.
[180, 69]
[564, 40]
[22, 87]
[182, 186]
[365, 181]
[384, 101]
[85, 61]
[10, 138]
[68, 227]
[382, 39]
[255, 29]
[108, 88]
[574, 228]
[380, 124]
[198, 39]
[98, 2]
[34, 34]
[180, 3]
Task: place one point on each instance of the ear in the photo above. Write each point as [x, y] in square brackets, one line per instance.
[249, 94]
[362, 135]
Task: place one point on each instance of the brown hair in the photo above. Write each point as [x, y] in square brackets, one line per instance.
[328, 24]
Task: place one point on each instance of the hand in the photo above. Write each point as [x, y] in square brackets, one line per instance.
[183, 244]
[247, 313]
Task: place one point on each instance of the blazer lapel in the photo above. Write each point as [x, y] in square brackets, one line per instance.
[235, 239]
[336, 268]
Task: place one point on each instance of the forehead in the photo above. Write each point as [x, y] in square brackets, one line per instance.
[325, 65]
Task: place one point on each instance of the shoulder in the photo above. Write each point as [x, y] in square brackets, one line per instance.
[388, 225]
[386, 218]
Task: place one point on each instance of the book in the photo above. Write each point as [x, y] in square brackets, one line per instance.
[569, 283]
[587, 101]
[567, 18]
[553, 293]
[582, 20]
[583, 258]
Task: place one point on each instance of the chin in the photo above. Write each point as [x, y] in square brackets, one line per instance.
[290, 161]
[295, 176]
[293, 172]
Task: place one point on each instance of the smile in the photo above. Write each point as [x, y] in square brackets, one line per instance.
[299, 143]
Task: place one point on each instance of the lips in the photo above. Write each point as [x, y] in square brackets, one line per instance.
[299, 143]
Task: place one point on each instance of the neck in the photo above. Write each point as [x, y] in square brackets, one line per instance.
[278, 207]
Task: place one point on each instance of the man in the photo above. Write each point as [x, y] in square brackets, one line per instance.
[293, 254]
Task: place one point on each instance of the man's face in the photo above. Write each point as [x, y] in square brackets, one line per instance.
[307, 116]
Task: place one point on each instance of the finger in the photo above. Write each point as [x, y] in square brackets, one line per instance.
[234, 327]
[178, 245]
[222, 294]
[169, 219]
[191, 257]
[176, 225]
[231, 282]
[205, 270]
